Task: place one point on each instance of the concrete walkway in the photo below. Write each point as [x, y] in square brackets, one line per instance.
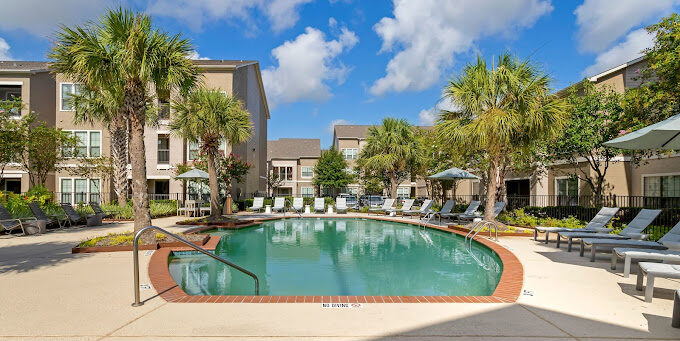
[50, 294]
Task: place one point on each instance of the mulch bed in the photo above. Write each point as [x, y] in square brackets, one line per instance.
[148, 241]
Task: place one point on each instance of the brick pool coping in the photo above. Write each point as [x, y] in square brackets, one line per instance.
[508, 289]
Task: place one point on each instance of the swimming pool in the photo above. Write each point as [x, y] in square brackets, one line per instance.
[340, 257]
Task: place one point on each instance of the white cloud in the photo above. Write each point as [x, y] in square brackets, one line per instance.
[195, 56]
[428, 117]
[631, 48]
[305, 66]
[602, 22]
[4, 50]
[428, 34]
[281, 14]
[334, 123]
[42, 18]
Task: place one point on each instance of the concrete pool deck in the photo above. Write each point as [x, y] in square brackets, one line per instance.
[50, 294]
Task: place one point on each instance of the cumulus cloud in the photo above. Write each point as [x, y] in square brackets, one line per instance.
[305, 67]
[281, 14]
[4, 50]
[428, 34]
[331, 127]
[631, 48]
[428, 117]
[42, 18]
[602, 22]
[195, 56]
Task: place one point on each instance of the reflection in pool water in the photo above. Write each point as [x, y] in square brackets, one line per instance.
[340, 257]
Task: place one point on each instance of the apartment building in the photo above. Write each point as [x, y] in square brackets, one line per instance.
[293, 161]
[47, 94]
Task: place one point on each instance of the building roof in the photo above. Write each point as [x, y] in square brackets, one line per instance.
[286, 148]
[359, 131]
[223, 62]
[22, 66]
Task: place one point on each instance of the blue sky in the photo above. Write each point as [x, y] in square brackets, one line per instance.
[353, 61]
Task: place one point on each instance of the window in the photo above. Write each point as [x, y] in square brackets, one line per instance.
[307, 172]
[163, 149]
[403, 192]
[163, 110]
[307, 192]
[79, 190]
[89, 144]
[67, 90]
[567, 191]
[193, 151]
[351, 190]
[350, 153]
[662, 186]
[285, 173]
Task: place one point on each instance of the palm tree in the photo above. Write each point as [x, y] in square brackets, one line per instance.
[124, 47]
[500, 111]
[390, 150]
[209, 117]
[105, 106]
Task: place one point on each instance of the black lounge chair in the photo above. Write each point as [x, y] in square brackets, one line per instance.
[10, 223]
[99, 211]
[49, 218]
[75, 218]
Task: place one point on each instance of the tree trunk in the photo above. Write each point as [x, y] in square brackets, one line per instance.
[393, 185]
[136, 111]
[491, 192]
[215, 212]
[119, 153]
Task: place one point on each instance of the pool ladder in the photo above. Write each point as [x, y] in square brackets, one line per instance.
[478, 226]
[135, 258]
[424, 220]
[294, 209]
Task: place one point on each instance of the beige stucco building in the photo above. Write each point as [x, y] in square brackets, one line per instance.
[293, 161]
[47, 94]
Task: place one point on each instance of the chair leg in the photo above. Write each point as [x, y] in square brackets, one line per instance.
[582, 248]
[614, 260]
[593, 250]
[626, 266]
[649, 290]
[569, 244]
[535, 232]
[640, 278]
[546, 236]
[558, 239]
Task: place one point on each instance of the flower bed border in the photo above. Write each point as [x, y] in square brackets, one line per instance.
[507, 291]
[118, 248]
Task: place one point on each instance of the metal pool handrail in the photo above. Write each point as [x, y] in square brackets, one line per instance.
[295, 209]
[135, 257]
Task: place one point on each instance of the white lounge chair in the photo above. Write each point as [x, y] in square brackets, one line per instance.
[341, 205]
[319, 205]
[298, 204]
[669, 240]
[633, 231]
[471, 210]
[424, 209]
[258, 204]
[653, 270]
[595, 225]
[408, 203]
[279, 204]
[633, 254]
[386, 206]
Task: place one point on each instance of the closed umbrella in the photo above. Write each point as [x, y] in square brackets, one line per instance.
[662, 135]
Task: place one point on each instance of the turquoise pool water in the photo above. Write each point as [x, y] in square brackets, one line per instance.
[340, 257]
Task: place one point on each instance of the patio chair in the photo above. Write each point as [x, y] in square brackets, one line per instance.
[50, 219]
[595, 225]
[75, 218]
[319, 205]
[471, 210]
[635, 254]
[633, 231]
[387, 205]
[298, 204]
[424, 209]
[653, 270]
[446, 209]
[279, 204]
[340, 205]
[669, 240]
[258, 204]
[9, 223]
[97, 209]
[185, 210]
[408, 203]
[498, 207]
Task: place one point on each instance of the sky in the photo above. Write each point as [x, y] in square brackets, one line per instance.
[327, 62]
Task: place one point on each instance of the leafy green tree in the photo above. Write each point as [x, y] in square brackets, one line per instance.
[391, 150]
[596, 117]
[12, 130]
[44, 151]
[208, 117]
[330, 170]
[500, 110]
[124, 46]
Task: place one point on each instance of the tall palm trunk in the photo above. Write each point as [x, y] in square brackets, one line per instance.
[491, 191]
[393, 185]
[214, 187]
[136, 111]
[119, 157]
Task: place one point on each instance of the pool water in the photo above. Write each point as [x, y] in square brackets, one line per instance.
[340, 257]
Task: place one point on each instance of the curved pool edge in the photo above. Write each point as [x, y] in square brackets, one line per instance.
[507, 291]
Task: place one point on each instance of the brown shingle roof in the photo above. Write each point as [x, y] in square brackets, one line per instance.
[22, 65]
[293, 148]
[360, 131]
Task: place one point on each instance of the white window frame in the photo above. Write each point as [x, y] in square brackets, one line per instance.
[285, 172]
[355, 153]
[404, 187]
[72, 191]
[643, 176]
[61, 102]
[310, 194]
[188, 143]
[302, 172]
[578, 185]
[87, 143]
[158, 136]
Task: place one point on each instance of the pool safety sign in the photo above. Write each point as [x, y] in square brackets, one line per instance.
[342, 305]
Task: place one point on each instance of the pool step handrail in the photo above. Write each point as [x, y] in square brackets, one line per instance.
[477, 227]
[135, 258]
[294, 209]
[426, 219]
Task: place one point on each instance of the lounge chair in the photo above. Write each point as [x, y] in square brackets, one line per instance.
[632, 254]
[446, 209]
[498, 207]
[424, 209]
[387, 205]
[669, 240]
[258, 204]
[298, 204]
[97, 209]
[75, 218]
[9, 223]
[41, 215]
[471, 210]
[341, 205]
[653, 270]
[633, 231]
[595, 225]
[319, 205]
[279, 204]
[408, 203]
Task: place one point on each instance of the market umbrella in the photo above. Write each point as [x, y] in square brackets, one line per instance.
[662, 135]
[194, 174]
[453, 174]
